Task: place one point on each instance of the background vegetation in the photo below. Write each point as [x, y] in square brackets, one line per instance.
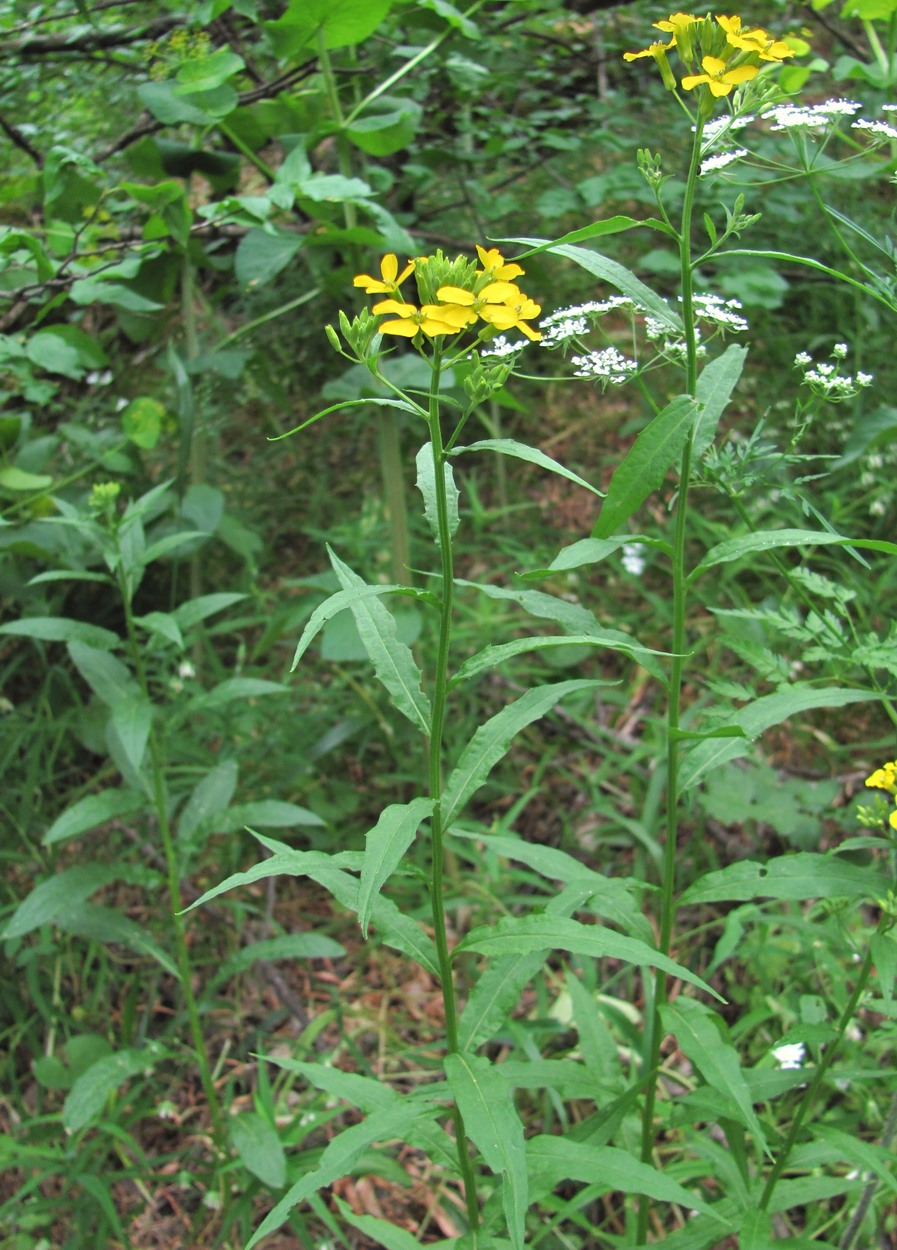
[187, 192]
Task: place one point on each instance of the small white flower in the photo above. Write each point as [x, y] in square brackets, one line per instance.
[713, 164]
[810, 116]
[840, 350]
[803, 358]
[791, 1055]
[500, 347]
[633, 559]
[186, 670]
[877, 507]
[609, 366]
[555, 332]
[878, 130]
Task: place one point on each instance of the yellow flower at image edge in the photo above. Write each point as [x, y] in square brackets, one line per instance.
[433, 319]
[390, 279]
[885, 778]
[718, 78]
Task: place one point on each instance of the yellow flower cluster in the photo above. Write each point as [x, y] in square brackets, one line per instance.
[489, 295]
[718, 53]
[885, 778]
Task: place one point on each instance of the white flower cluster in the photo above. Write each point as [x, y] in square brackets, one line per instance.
[609, 367]
[720, 127]
[500, 347]
[719, 312]
[826, 380]
[713, 164]
[633, 560]
[810, 116]
[878, 130]
[790, 1056]
[570, 323]
[668, 344]
[556, 330]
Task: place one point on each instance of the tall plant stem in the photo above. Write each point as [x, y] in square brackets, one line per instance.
[434, 765]
[658, 993]
[172, 872]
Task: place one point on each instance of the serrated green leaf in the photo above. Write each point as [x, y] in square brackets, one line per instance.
[426, 484]
[553, 1160]
[493, 739]
[759, 716]
[285, 863]
[486, 1102]
[521, 934]
[522, 451]
[385, 846]
[492, 656]
[716, 383]
[803, 875]
[338, 1158]
[495, 993]
[259, 1148]
[55, 897]
[707, 1045]
[645, 466]
[393, 927]
[339, 602]
[771, 540]
[393, 662]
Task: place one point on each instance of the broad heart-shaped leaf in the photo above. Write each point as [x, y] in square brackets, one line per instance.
[522, 451]
[261, 254]
[520, 934]
[259, 1148]
[92, 811]
[393, 661]
[385, 845]
[492, 740]
[339, 1156]
[339, 602]
[706, 1043]
[715, 386]
[340, 23]
[770, 540]
[486, 1102]
[643, 469]
[553, 1160]
[607, 270]
[796, 877]
[87, 1097]
[426, 484]
[759, 716]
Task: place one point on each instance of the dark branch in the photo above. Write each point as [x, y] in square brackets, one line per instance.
[12, 132]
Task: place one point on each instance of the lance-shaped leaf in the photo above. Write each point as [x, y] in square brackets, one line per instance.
[393, 662]
[493, 996]
[339, 1157]
[615, 639]
[796, 877]
[342, 600]
[486, 1102]
[426, 484]
[715, 387]
[645, 465]
[492, 740]
[553, 1160]
[522, 451]
[771, 540]
[607, 270]
[703, 1038]
[520, 934]
[385, 845]
[756, 718]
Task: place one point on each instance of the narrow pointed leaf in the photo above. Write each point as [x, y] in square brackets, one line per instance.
[338, 1158]
[491, 657]
[802, 875]
[92, 811]
[715, 386]
[521, 934]
[392, 659]
[495, 993]
[709, 1049]
[646, 464]
[426, 484]
[492, 740]
[771, 540]
[339, 602]
[385, 845]
[522, 451]
[486, 1102]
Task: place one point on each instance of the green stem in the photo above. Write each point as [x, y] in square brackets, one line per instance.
[658, 992]
[825, 1062]
[437, 728]
[160, 803]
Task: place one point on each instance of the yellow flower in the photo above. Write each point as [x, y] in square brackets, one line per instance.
[514, 316]
[652, 49]
[756, 40]
[494, 293]
[885, 778]
[497, 267]
[433, 319]
[718, 78]
[390, 279]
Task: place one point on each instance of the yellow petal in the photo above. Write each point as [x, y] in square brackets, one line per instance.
[407, 329]
[393, 306]
[455, 295]
[389, 267]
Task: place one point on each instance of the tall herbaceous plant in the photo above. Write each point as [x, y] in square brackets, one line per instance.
[673, 1119]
